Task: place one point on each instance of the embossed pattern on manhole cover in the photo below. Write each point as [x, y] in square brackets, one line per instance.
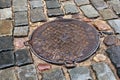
[64, 41]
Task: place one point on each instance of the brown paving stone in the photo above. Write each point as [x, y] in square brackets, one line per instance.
[8, 74]
[107, 14]
[101, 25]
[6, 27]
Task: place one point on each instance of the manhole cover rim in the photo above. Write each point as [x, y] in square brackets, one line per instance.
[63, 62]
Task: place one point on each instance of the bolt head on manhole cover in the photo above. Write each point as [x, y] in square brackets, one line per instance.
[64, 41]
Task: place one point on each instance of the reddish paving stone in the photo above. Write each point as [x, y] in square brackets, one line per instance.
[19, 43]
[43, 67]
[101, 25]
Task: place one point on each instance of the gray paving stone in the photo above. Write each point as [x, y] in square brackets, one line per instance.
[54, 74]
[37, 15]
[115, 24]
[5, 3]
[6, 59]
[116, 8]
[107, 14]
[27, 73]
[6, 43]
[19, 5]
[110, 40]
[55, 12]
[36, 4]
[103, 71]
[23, 57]
[5, 13]
[52, 4]
[7, 74]
[80, 73]
[114, 55]
[89, 11]
[81, 2]
[99, 4]
[6, 27]
[20, 18]
[21, 31]
[70, 7]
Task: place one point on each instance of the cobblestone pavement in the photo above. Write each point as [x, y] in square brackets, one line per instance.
[18, 19]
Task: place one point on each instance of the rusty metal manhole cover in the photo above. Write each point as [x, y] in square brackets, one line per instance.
[64, 41]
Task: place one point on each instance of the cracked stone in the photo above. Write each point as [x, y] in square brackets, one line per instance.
[103, 71]
[70, 7]
[101, 25]
[27, 72]
[8, 74]
[7, 59]
[81, 2]
[19, 5]
[89, 11]
[55, 12]
[37, 15]
[99, 4]
[54, 74]
[107, 14]
[5, 3]
[36, 4]
[114, 55]
[23, 57]
[5, 13]
[52, 4]
[6, 43]
[21, 18]
[115, 24]
[110, 40]
[6, 27]
[21, 31]
[80, 73]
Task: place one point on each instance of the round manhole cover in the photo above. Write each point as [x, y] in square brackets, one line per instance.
[64, 41]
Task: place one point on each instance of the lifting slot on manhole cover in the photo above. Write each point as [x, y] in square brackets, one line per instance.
[64, 41]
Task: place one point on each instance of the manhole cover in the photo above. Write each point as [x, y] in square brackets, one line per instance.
[64, 41]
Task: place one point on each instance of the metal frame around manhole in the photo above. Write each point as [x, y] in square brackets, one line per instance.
[82, 38]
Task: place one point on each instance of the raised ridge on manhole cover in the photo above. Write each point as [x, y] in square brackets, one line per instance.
[64, 41]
